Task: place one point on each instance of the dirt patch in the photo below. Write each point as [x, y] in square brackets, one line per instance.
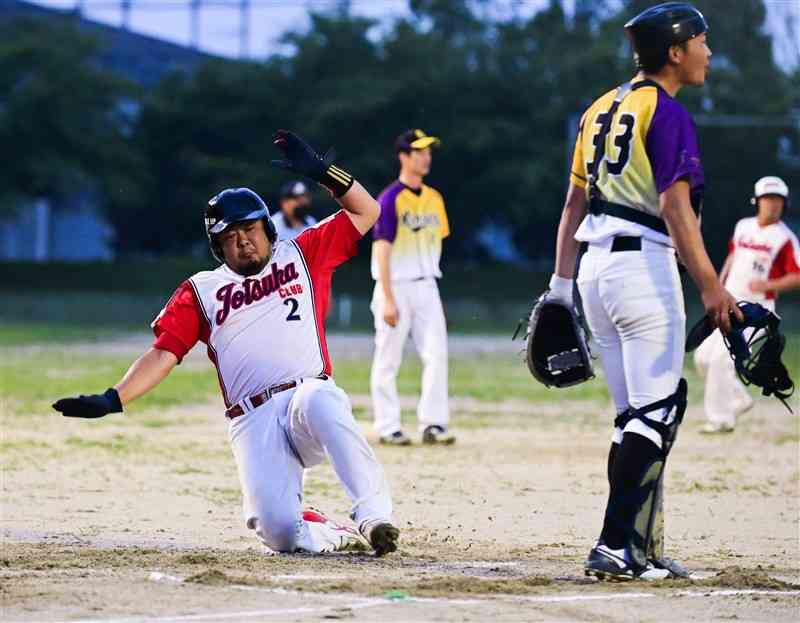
[738, 577]
[212, 577]
[506, 515]
[437, 587]
[197, 559]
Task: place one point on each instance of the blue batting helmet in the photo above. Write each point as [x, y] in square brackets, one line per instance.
[234, 205]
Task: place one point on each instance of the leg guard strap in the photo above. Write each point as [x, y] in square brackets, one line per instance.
[667, 425]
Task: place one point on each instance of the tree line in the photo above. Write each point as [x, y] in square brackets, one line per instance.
[504, 96]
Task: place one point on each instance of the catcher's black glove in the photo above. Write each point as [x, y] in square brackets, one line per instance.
[94, 406]
[556, 350]
[303, 159]
[757, 359]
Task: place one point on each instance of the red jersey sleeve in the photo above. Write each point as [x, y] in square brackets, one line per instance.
[330, 242]
[180, 324]
[786, 262]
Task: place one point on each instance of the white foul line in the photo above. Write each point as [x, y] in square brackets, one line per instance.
[380, 601]
[365, 603]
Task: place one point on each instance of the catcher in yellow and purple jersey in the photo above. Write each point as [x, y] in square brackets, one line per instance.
[634, 197]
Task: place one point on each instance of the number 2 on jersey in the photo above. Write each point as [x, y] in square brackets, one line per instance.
[622, 140]
[293, 315]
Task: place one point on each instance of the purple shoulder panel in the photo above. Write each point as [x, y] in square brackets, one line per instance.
[672, 145]
[386, 226]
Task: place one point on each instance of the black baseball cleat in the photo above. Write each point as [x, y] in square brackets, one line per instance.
[397, 438]
[610, 564]
[382, 536]
[437, 435]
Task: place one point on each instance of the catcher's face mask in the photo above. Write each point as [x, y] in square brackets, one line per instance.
[756, 346]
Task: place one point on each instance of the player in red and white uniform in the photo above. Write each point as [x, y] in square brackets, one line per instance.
[763, 260]
[261, 316]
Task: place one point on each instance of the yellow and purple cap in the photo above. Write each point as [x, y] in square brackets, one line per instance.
[415, 139]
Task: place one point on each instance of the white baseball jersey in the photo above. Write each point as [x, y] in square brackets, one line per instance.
[760, 253]
[267, 328]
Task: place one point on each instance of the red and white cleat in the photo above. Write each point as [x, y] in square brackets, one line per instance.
[327, 535]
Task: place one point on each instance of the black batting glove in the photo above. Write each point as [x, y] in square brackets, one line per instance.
[94, 406]
[301, 158]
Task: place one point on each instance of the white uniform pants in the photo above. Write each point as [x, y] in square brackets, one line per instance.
[420, 313]
[725, 396]
[294, 430]
[633, 303]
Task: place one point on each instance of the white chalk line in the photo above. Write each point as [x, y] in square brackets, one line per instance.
[377, 601]
[234, 615]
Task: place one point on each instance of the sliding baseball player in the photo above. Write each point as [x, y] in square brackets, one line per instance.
[261, 316]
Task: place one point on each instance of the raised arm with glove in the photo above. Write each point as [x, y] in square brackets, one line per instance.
[301, 158]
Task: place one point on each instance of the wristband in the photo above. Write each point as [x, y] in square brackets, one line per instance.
[336, 180]
[561, 288]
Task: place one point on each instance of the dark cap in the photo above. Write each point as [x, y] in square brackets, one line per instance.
[294, 188]
[415, 139]
[655, 30]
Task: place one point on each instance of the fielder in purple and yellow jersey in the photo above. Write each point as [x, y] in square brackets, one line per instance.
[405, 266]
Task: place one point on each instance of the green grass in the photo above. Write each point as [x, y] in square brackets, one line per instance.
[117, 444]
[31, 380]
[19, 334]
[483, 378]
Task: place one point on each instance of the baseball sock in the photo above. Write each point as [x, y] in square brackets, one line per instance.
[629, 463]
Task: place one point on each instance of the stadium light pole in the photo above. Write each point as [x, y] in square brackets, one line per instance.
[244, 29]
[194, 34]
[125, 9]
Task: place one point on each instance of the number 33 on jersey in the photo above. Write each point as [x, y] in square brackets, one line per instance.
[652, 142]
[267, 328]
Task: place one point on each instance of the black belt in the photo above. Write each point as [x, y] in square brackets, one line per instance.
[626, 243]
[260, 398]
[601, 206]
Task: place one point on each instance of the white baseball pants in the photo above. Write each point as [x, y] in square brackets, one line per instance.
[633, 302]
[725, 396]
[294, 430]
[421, 314]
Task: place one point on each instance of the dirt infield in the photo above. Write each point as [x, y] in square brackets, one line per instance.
[128, 519]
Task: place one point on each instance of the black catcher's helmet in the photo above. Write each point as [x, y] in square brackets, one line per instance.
[654, 31]
[234, 205]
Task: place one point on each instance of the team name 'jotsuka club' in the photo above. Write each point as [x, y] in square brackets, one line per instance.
[253, 290]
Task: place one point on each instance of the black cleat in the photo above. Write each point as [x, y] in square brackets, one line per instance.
[609, 564]
[397, 438]
[437, 435]
[382, 536]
